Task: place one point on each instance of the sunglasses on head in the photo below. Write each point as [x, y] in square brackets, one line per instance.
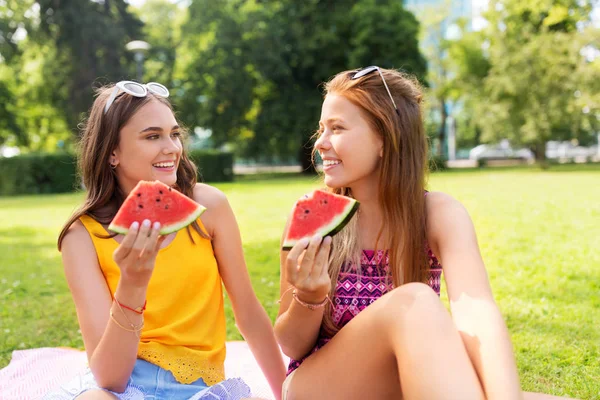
[137, 90]
[367, 71]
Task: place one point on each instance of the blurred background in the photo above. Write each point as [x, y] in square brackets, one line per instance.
[508, 82]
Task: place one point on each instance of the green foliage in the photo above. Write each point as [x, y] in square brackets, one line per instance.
[38, 173]
[526, 77]
[91, 37]
[57, 172]
[437, 163]
[213, 165]
[162, 21]
[52, 55]
[253, 68]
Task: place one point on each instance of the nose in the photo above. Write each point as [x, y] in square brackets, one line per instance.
[322, 142]
[172, 145]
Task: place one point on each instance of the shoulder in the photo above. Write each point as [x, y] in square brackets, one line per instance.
[76, 234]
[446, 216]
[439, 203]
[217, 212]
[209, 196]
[78, 248]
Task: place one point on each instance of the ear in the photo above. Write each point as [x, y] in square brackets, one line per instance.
[114, 158]
[381, 151]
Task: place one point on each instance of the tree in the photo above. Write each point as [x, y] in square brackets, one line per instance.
[540, 85]
[260, 64]
[90, 37]
[162, 21]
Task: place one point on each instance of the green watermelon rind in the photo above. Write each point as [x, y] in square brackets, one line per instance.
[166, 229]
[334, 227]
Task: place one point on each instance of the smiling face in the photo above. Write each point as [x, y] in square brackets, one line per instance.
[149, 147]
[351, 150]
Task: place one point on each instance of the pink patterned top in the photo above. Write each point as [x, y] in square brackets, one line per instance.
[354, 292]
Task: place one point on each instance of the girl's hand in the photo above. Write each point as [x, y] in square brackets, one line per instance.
[136, 255]
[307, 269]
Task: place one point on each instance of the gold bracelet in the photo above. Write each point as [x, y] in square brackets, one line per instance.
[134, 328]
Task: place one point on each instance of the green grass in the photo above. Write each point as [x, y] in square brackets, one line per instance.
[539, 233]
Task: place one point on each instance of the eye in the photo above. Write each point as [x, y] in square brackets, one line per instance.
[152, 137]
[176, 134]
[337, 128]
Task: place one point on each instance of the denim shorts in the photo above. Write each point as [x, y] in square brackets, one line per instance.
[149, 381]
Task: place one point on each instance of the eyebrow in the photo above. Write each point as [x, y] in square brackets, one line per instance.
[157, 129]
[332, 119]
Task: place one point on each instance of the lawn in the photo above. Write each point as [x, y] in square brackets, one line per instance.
[539, 233]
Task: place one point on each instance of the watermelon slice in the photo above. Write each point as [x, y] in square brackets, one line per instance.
[319, 213]
[156, 201]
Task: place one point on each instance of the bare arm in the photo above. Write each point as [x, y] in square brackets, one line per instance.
[297, 327]
[111, 350]
[474, 311]
[251, 318]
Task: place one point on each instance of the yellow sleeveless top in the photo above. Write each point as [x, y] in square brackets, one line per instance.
[184, 321]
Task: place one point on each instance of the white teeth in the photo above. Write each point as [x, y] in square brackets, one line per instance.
[327, 163]
[164, 165]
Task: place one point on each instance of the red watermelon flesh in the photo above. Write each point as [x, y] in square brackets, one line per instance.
[319, 213]
[156, 202]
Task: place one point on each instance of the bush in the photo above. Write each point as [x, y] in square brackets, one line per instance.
[57, 172]
[38, 173]
[213, 165]
[437, 163]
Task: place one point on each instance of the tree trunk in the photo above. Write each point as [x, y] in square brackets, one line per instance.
[442, 131]
[540, 154]
[305, 158]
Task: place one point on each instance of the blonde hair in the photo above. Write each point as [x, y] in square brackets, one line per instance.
[402, 177]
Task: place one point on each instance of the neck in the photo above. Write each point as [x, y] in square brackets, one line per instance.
[370, 215]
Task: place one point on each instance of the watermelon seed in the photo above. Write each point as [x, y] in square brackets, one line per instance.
[139, 194]
[157, 199]
[140, 206]
[169, 189]
[167, 207]
[306, 211]
[160, 191]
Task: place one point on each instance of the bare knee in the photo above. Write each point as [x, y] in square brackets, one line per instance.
[410, 301]
[414, 294]
[96, 394]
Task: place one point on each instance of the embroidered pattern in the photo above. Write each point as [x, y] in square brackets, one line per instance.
[354, 292]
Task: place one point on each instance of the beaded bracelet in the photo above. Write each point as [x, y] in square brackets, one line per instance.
[311, 306]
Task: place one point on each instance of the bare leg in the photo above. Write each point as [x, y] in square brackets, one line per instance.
[404, 345]
[96, 394]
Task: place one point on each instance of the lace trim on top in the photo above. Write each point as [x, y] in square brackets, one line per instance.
[186, 368]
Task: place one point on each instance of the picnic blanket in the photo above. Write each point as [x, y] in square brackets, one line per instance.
[34, 372]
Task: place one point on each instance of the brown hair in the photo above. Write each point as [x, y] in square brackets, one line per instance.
[99, 137]
[402, 177]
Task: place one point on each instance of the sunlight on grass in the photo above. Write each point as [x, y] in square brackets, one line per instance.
[538, 232]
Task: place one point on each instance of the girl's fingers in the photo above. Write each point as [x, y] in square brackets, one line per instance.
[292, 260]
[151, 247]
[125, 247]
[141, 239]
[322, 259]
[308, 261]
